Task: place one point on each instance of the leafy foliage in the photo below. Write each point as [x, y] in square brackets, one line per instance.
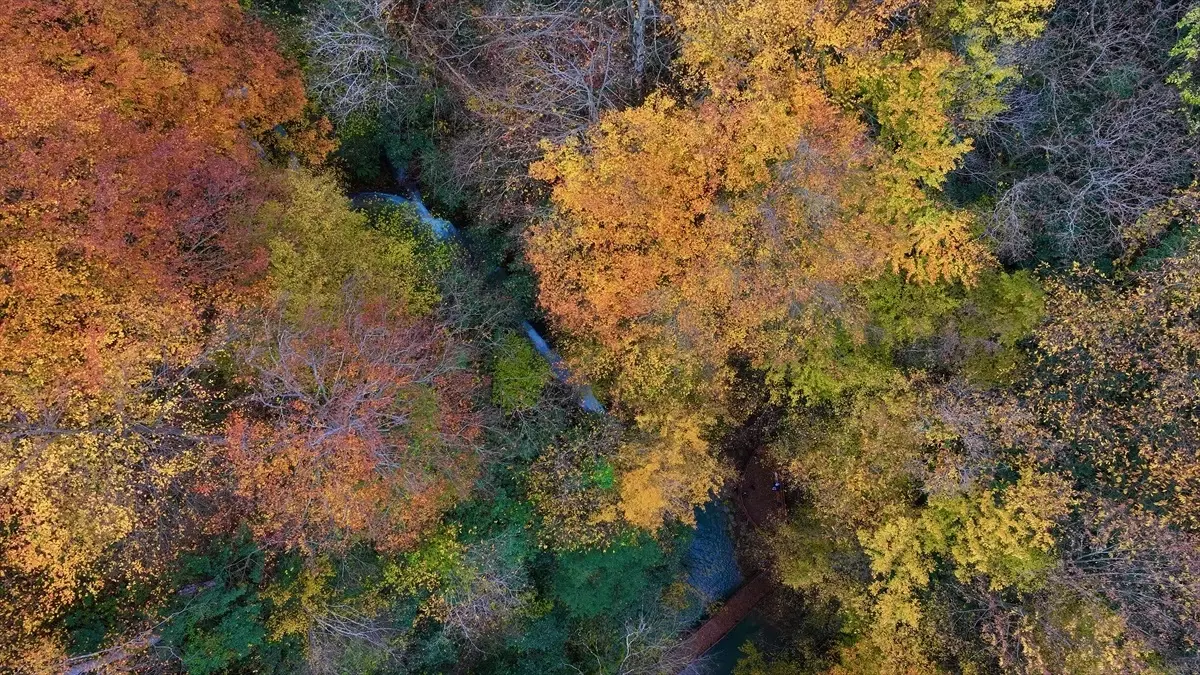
[613, 580]
[1188, 49]
[222, 621]
[519, 374]
[129, 174]
[319, 244]
[245, 427]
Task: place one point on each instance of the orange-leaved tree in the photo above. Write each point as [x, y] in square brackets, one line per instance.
[127, 167]
[699, 229]
[809, 159]
[683, 237]
[359, 422]
[361, 428]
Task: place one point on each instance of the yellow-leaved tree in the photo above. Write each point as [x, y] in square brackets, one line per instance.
[809, 159]
[684, 237]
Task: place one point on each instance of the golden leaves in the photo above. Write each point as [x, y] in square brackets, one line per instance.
[667, 474]
[1116, 380]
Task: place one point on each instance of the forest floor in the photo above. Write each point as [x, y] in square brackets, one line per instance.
[757, 503]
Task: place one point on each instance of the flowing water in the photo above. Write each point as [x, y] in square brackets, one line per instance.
[711, 560]
[444, 229]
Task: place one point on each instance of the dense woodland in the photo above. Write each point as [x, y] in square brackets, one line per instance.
[931, 264]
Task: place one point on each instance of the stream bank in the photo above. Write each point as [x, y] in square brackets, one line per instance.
[711, 562]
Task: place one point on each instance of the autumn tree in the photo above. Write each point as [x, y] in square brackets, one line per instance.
[519, 374]
[1106, 582]
[572, 486]
[1187, 49]
[685, 236]
[318, 244]
[924, 72]
[359, 424]
[367, 435]
[129, 172]
[1115, 383]
[633, 257]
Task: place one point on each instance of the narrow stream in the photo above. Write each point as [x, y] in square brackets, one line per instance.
[444, 230]
[711, 560]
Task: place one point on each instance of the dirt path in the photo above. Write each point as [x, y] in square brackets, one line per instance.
[755, 499]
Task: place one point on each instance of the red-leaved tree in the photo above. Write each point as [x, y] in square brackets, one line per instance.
[360, 428]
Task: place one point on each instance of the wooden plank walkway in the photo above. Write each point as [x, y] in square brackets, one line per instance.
[759, 504]
[730, 615]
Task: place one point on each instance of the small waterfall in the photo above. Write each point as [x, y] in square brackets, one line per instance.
[587, 399]
[711, 559]
[442, 228]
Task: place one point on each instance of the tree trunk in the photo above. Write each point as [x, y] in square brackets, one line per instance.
[115, 655]
[639, 9]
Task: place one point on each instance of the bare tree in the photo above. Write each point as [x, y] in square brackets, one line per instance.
[652, 647]
[1147, 572]
[547, 71]
[362, 60]
[337, 629]
[1092, 139]
[650, 643]
[490, 595]
[510, 75]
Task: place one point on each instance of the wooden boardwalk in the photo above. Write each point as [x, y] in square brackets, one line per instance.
[759, 505]
[730, 615]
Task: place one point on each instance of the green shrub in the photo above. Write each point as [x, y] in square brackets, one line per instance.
[1187, 51]
[519, 374]
[318, 244]
[219, 621]
[907, 312]
[596, 583]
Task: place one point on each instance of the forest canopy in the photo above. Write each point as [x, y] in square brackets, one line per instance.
[553, 336]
